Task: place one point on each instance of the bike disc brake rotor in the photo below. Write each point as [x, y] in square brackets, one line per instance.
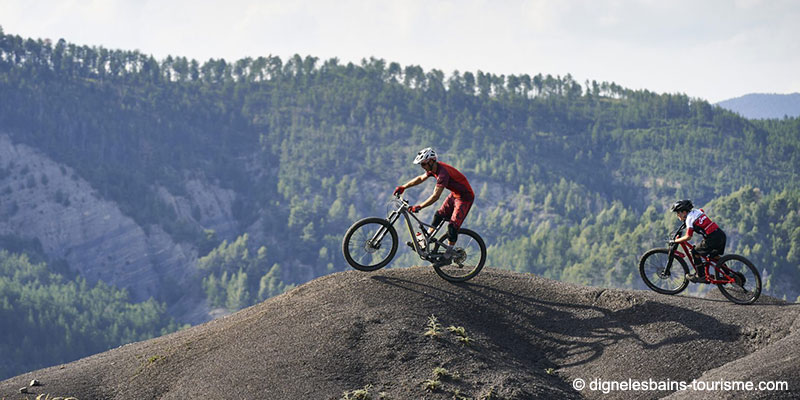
[460, 256]
[369, 248]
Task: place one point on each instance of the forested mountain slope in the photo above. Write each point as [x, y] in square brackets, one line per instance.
[237, 179]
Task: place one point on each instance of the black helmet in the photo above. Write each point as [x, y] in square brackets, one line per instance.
[682, 205]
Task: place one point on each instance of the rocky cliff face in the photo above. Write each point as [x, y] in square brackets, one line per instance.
[204, 205]
[42, 199]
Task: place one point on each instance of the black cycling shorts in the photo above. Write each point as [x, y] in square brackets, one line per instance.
[714, 241]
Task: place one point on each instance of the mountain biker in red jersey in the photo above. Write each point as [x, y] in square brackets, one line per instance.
[713, 237]
[458, 202]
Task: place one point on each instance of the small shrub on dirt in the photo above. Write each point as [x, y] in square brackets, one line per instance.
[432, 385]
[440, 373]
[461, 333]
[457, 330]
[434, 327]
[358, 394]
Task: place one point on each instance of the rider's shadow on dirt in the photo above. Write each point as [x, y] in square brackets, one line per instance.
[569, 334]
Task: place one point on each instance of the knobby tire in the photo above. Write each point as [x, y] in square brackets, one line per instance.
[651, 267]
[360, 254]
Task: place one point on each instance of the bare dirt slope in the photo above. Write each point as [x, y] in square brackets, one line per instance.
[529, 337]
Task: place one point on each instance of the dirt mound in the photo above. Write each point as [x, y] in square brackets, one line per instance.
[522, 337]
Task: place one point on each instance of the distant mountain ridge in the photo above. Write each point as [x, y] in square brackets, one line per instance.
[764, 105]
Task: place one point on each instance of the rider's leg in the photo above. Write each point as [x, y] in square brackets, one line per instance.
[706, 246]
[714, 245]
[699, 275]
[444, 213]
[714, 242]
[696, 258]
[719, 240]
[437, 219]
[702, 249]
[452, 233]
[460, 212]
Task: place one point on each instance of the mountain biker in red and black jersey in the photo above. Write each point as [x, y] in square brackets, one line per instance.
[713, 237]
[457, 204]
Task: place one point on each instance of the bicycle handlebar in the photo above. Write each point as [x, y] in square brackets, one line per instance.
[400, 197]
[677, 231]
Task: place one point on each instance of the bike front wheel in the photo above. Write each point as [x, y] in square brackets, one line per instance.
[747, 281]
[370, 244]
[469, 259]
[653, 269]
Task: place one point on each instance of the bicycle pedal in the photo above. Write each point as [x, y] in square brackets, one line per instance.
[696, 279]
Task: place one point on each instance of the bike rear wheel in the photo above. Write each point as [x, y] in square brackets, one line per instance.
[653, 269]
[747, 285]
[370, 244]
[469, 260]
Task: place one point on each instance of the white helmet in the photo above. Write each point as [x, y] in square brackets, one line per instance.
[427, 153]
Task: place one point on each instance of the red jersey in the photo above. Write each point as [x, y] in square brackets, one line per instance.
[697, 220]
[453, 180]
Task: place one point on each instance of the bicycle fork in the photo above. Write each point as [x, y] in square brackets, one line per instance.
[670, 258]
[375, 241]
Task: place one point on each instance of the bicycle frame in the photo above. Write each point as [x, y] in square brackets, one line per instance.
[429, 238]
[709, 262]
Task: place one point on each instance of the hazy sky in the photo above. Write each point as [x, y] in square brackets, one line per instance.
[711, 49]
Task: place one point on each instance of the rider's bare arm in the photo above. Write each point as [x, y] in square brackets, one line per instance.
[416, 181]
[683, 238]
[435, 196]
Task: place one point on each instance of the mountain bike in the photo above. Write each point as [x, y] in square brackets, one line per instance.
[664, 271]
[371, 243]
